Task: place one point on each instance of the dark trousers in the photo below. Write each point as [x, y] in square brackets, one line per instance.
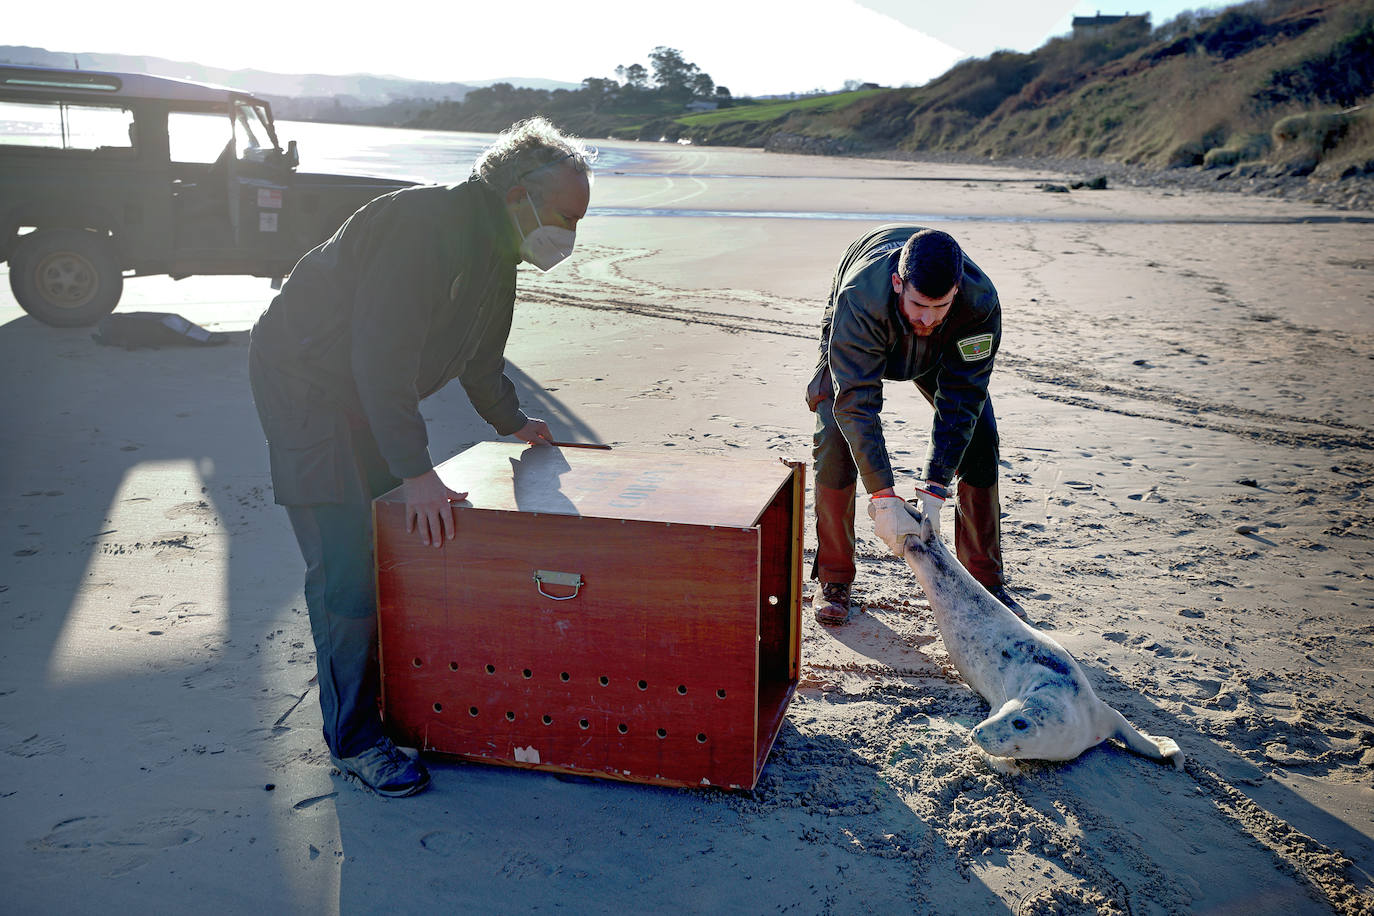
[326, 471]
[341, 595]
[976, 534]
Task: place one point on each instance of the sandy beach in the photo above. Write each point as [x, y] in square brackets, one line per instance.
[1183, 396]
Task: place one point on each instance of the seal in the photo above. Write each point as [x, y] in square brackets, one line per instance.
[1043, 707]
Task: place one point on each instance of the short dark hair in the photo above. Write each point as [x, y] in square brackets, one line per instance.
[932, 262]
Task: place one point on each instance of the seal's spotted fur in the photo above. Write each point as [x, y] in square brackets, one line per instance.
[1042, 704]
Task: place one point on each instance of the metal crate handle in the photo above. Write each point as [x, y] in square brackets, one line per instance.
[572, 580]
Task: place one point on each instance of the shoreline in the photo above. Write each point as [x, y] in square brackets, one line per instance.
[1355, 192]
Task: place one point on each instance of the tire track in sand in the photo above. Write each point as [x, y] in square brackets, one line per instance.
[602, 286]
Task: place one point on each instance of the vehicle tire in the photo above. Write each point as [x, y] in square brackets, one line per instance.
[67, 278]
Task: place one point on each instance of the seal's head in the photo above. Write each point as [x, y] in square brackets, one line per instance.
[1038, 727]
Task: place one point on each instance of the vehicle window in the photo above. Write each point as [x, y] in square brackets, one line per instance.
[250, 132]
[58, 125]
[197, 136]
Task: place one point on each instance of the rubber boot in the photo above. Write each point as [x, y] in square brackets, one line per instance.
[834, 564]
[978, 533]
[834, 534]
[978, 540]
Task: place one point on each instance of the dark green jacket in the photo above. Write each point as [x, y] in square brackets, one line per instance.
[865, 339]
[416, 289]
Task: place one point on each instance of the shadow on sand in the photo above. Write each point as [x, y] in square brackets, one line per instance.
[823, 833]
[1136, 828]
[156, 700]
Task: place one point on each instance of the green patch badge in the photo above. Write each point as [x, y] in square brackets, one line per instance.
[972, 349]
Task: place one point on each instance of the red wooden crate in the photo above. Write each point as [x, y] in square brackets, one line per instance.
[672, 662]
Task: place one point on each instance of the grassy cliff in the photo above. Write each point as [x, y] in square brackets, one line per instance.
[1282, 85]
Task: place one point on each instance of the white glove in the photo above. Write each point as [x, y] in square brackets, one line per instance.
[893, 521]
[932, 496]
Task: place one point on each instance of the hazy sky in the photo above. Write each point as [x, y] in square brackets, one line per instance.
[754, 47]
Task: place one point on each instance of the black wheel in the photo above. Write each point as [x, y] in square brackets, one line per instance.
[67, 278]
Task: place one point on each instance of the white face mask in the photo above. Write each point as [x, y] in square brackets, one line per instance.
[547, 246]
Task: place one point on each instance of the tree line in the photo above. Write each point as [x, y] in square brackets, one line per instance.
[667, 86]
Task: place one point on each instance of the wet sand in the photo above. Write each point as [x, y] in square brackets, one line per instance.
[1183, 398]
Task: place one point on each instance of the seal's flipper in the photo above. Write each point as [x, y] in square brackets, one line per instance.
[1165, 750]
[1169, 748]
[1005, 766]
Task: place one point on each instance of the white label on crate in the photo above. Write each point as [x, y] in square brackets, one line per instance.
[269, 197]
[527, 754]
[267, 222]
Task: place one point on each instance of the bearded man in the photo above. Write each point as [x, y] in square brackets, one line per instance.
[906, 304]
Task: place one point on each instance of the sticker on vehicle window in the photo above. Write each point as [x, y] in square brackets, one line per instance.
[269, 197]
[976, 348]
[267, 222]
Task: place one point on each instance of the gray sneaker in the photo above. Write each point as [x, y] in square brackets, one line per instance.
[385, 769]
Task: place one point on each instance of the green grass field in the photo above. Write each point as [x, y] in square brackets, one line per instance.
[772, 109]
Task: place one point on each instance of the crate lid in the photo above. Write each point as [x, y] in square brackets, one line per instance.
[659, 486]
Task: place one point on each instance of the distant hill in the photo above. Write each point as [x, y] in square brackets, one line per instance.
[525, 82]
[1271, 86]
[353, 90]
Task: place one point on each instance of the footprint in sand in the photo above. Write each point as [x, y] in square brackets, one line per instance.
[1197, 689]
[172, 544]
[154, 730]
[181, 510]
[119, 848]
[445, 842]
[186, 609]
[23, 618]
[36, 746]
[1145, 644]
[174, 616]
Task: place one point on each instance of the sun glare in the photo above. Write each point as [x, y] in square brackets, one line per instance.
[154, 594]
[754, 48]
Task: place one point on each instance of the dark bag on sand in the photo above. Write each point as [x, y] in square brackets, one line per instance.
[132, 330]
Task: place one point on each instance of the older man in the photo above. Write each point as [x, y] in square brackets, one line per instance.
[906, 304]
[416, 289]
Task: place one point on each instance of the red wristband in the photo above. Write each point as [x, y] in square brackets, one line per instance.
[938, 490]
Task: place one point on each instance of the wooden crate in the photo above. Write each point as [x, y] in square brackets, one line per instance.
[623, 614]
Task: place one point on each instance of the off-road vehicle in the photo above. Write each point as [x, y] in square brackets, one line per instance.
[110, 175]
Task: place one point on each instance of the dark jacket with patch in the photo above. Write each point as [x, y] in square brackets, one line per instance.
[417, 288]
[865, 339]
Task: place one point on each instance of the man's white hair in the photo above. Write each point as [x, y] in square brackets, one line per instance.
[526, 154]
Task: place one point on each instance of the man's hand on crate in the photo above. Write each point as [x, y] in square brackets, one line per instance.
[535, 432]
[429, 508]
